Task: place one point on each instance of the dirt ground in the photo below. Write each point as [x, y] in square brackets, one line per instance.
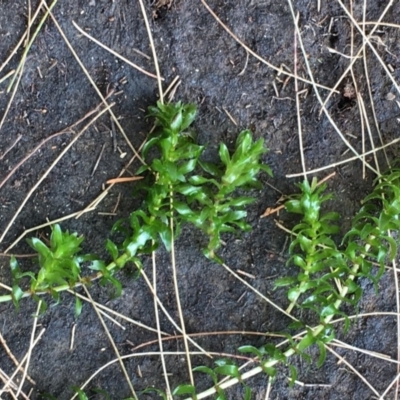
[216, 74]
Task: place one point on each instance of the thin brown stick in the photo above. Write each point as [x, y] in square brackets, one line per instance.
[367, 79]
[178, 302]
[98, 159]
[159, 337]
[254, 54]
[296, 89]
[353, 60]
[117, 314]
[166, 313]
[323, 180]
[270, 211]
[270, 302]
[31, 40]
[318, 95]
[14, 360]
[31, 346]
[105, 192]
[394, 381]
[370, 45]
[344, 361]
[7, 75]
[12, 386]
[200, 334]
[11, 147]
[23, 37]
[14, 92]
[67, 42]
[153, 50]
[156, 354]
[41, 226]
[54, 163]
[347, 160]
[68, 129]
[124, 179]
[114, 52]
[110, 338]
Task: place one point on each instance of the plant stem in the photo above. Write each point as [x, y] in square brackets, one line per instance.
[62, 288]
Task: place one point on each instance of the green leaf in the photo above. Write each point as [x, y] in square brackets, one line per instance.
[293, 375]
[15, 270]
[78, 307]
[56, 237]
[166, 237]
[201, 180]
[189, 114]
[286, 281]
[211, 169]
[308, 340]
[208, 371]
[187, 167]
[270, 371]
[224, 154]
[40, 247]
[294, 293]
[81, 394]
[250, 349]
[322, 353]
[247, 393]
[112, 249]
[17, 295]
[329, 310]
[228, 370]
[147, 146]
[182, 208]
[185, 389]
[240, 201]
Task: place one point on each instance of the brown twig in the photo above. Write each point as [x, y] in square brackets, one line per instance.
[68, 129]
[124, 179]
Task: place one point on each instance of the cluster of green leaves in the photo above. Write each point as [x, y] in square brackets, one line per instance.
[327, 272]
[315, 252]
[379, 216]
[216, 208]
[181, 188]
[60, 264]
[322, 263]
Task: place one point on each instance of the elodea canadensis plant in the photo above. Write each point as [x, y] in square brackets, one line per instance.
[180, 188]
[327, 276]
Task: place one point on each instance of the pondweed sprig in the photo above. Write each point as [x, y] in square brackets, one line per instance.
[177, 157]
[379, 216]
[328, 272]
[216, 208]
[325, 267]
[60, 263]
[179, 189]
[313, 250]
[190, 190]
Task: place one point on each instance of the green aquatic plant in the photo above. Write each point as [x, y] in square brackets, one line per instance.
[327, 273]
[179, 189]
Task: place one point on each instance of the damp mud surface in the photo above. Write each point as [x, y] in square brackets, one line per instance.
[233, 91]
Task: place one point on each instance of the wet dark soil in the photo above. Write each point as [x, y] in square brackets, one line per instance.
[54, 93]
